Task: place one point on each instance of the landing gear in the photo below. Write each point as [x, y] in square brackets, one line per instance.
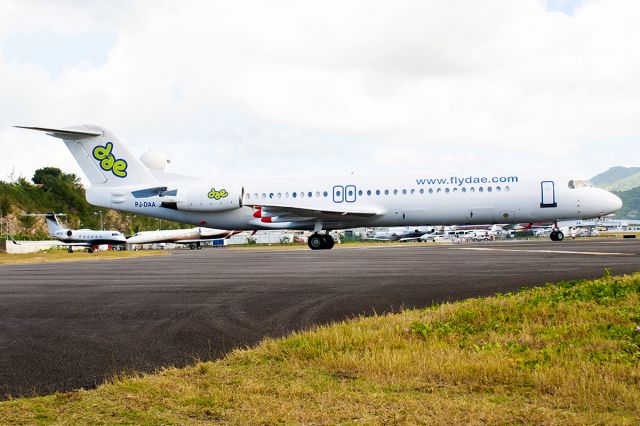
[556, 235]
[320, 242]
[194, 246]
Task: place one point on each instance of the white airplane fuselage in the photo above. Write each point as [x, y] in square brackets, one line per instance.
[121, 181]
[398, 200]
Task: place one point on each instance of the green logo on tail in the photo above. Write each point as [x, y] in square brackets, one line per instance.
[108, 161]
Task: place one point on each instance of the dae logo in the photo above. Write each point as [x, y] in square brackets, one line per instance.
[108, 161]
[217, 194]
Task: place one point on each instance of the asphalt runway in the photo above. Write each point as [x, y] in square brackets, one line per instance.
[73, 325]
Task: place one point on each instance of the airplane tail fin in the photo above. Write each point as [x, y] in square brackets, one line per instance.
[103, 159]
[52, 223]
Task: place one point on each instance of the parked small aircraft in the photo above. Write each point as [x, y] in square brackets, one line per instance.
[193, 237]
[82, 237]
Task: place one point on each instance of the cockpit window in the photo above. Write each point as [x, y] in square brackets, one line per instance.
[573, 184]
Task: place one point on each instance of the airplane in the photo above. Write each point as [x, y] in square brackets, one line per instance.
[405, 233]
[193, 237]
[82, 237]
[324, 203]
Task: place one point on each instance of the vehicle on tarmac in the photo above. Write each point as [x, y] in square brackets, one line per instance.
[324, 203]
[89, 238]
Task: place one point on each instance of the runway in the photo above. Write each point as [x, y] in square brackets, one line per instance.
[72, 325]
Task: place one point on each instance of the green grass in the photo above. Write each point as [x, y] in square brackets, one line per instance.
[561, 354]
[61, 255]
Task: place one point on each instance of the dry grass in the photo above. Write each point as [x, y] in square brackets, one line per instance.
[560, 354]
[61, 255]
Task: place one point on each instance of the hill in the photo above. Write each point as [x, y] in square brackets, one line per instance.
[52, 190]
[613, 175]
[631, 204]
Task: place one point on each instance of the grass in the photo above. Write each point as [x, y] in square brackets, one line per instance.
[61, 255]
[561, 354]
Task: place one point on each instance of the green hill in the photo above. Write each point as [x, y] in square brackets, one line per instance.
[631, 204]
[614, 174]
[52, 190]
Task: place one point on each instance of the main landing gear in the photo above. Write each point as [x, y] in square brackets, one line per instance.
[320, 241]
[556, 235]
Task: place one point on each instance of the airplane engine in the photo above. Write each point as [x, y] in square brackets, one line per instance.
[210, 198]
[69, 233]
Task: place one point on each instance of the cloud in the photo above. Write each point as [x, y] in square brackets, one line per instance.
[284, 87]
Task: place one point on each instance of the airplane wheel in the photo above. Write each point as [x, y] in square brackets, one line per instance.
[316, 242]
[559, 236]
[70, 250]
[90, 250]
[328, 241]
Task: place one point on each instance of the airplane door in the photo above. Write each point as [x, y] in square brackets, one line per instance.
[350, 194]
[548, 194]
[338, 194]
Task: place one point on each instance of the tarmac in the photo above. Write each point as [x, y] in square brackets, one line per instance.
[66, 326]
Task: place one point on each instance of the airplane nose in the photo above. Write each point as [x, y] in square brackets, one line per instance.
[613, 202]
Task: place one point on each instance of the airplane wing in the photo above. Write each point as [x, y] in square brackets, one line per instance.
[274, 213]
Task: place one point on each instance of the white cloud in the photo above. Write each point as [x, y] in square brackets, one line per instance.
[284, 87]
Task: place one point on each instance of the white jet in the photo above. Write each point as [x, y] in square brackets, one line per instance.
[323, 203]
[193, 237]
[82, 237]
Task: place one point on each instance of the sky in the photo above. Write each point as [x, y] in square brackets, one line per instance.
[260, 88]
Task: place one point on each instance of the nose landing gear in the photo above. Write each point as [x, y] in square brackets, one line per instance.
[320, 242]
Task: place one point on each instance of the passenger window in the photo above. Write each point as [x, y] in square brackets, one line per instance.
[506, 188]
[310, 194]
[360, 192]
[386, 192]
[279, 195]
[422, 190]
[413, 190]
[481, 189]
[455, 189]
[446, 190]
[264, 195]
[404, 191]
[472, 189]
[489, 189]
[377, 192]
[464, 189]
[294, 195]
[317, 193]
[368, 192]
[498, 189]
[439, 190]
[325, 193]
[395, 192]
[572, 184]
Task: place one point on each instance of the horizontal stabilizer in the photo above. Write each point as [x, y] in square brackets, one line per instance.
[68, 134]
